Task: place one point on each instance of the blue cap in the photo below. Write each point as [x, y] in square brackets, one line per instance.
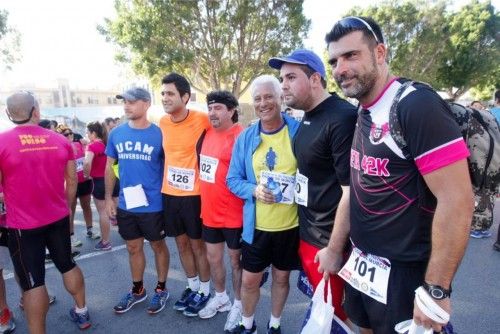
[300, 57]
[134, 94]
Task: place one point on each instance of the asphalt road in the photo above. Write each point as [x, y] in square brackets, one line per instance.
[476, 293]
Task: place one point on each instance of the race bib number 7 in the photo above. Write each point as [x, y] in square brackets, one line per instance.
[367, 273]
[180, 178]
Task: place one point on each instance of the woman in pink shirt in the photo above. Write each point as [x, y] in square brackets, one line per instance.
[84, 189]
[94, 165]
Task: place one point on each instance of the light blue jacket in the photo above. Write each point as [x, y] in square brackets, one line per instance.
[241, 177]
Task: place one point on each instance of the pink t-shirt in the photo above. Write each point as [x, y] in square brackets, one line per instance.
[79, 152]
[99, 162]
[32, 162]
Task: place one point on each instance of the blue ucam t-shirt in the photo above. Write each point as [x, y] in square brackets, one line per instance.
[140, 156]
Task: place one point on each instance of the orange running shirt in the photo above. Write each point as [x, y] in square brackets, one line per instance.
[181, 144]
[220, 208]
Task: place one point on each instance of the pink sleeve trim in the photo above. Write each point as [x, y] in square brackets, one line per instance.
[442, 156]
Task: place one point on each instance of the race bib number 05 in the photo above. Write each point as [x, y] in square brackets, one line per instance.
[367, 273]
[208, 168]
[180, 178]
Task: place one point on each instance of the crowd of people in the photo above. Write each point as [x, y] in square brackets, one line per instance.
[332, 195]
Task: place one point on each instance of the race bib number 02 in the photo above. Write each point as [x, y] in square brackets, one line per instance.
[367, 273]
[208, 168]
[286, 182]
[301, 189]
[180, 178]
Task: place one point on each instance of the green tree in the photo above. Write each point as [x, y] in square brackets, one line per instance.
[473, 55]
[215, 44]
[9, 43]
[451, 51]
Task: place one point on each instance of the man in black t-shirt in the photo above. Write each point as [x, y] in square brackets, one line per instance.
[322, 148]
[410, 217]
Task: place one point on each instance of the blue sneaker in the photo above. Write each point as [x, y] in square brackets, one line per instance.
[478, 234]
[81, 319]
[158, 301]
[198, 302]
[185, 299]
[129, 300]
[242, 330]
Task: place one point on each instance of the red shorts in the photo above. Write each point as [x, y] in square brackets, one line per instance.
[307, 252]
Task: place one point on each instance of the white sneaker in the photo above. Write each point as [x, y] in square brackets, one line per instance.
[233, 319]
[75, 242]
[213, 306]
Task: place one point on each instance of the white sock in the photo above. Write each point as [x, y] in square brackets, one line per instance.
[274, 322]
[237, 303]
[221, 295]
[205, 287]
[194, 283]
[247, 321]
[81, 310]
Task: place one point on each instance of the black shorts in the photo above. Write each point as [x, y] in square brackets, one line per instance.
[148, 225]
[27, 250]
[84, 188]
[213, 235]
[98, 190]
[182, 215]
[281, 249]
[3, 237]
[366, 312]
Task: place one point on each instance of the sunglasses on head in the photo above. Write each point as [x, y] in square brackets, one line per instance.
[358, 23]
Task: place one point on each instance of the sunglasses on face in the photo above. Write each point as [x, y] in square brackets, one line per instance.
[67, 134]
[358, 23]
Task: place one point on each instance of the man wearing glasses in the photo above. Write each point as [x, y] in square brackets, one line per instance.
[35, 224]
[410, 211]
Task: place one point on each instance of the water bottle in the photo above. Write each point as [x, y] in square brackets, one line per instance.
[274, 187]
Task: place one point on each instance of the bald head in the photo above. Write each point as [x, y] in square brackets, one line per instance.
[21, 107]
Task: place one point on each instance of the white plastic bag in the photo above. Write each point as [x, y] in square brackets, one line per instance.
[320, 319]
[410, 327]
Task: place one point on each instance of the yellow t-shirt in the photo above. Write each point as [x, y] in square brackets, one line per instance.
[274, 158]
[181, 144]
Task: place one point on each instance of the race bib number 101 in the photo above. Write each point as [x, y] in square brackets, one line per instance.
[367, 273]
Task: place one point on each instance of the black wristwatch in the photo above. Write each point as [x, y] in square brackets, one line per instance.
[437, 292]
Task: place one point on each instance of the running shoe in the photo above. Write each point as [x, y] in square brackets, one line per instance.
[240, 329]
[75, 242]
[233, 319]
[478, 234]
[496, 246]
[129, 300]
[52, 299]
[75, 253]
[183, 302]
[92, 235]
[113, 221]
[273, 330]
[7, 324]
[158, 301]
[265, 277]
[213, 306]
[103, 246]
[81, 319]
[198, 302]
